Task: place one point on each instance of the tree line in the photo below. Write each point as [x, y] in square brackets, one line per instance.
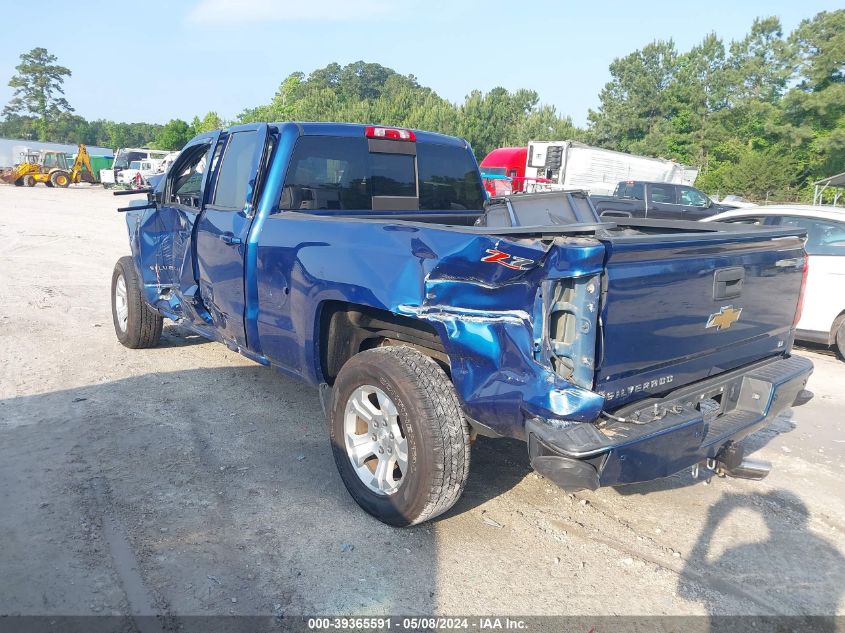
[762, 117]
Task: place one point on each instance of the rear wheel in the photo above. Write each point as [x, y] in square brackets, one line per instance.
[29, 181]
[60, 179]
[136, 324]
[399, 437]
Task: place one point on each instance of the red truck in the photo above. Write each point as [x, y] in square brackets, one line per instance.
[503, 170]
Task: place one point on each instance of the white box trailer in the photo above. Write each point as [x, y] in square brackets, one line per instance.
[555, 165]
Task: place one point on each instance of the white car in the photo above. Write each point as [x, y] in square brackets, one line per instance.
[823, 318]
[138, 172]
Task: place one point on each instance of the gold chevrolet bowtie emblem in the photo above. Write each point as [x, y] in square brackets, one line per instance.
[724, 318]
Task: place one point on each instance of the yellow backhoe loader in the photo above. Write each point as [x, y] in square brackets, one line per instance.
[51, 168]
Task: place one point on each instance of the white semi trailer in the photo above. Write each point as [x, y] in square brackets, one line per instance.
[555, 165]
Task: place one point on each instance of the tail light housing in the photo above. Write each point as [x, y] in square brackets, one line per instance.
[390, 133]
[572, 319]
[800, 307]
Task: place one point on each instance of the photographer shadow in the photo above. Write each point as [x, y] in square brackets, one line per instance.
[792, 577]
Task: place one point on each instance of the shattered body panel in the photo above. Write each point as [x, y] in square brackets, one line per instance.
[485, 315]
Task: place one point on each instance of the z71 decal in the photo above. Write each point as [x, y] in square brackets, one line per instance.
[508, 261]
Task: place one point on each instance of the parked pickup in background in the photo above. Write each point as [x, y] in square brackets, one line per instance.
[661, 200]
[364, 261]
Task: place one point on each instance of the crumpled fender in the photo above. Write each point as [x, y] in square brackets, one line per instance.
[489, 320]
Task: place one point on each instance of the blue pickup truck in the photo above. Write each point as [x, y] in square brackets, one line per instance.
[368, 262]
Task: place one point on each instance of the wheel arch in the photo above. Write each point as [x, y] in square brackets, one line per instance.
[345, 329]
[837, 323]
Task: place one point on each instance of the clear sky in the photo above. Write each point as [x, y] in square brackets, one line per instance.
[154, 60]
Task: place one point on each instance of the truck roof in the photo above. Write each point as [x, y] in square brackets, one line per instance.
[354, 130]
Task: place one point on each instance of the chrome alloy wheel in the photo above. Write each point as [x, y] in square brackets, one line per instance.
[121, 303]
[375, 440]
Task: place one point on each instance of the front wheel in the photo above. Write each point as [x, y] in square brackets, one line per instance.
[60, 179]
[399, 437]
[840, 340]
[29, 180]
[136, 324]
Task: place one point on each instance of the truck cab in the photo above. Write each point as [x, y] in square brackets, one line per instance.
[653, 199]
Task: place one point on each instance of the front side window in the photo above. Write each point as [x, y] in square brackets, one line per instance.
[693, 197]
[185, 179]
[236, 170]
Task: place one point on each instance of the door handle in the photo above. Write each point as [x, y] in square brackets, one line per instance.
[230, 238]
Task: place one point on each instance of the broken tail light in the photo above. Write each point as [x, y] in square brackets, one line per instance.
[572, 323]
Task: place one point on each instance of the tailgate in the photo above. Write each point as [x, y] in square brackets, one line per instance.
[681, 308]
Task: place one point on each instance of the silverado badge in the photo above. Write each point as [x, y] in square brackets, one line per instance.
[724, 318]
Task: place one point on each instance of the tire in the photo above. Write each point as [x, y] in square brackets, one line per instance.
[136, 324]
[19, 182]
[60, 179]
[29, 181]
[432, 432]
[840, 340]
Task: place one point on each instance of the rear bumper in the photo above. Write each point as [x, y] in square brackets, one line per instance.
[661, 436]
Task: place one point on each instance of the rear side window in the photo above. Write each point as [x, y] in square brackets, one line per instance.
[755, 220]
[235, 170]
[340, 173]
[824, 237]
[661, 193]
[631, 190]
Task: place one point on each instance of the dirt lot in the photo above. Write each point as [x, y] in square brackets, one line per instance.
[187, 480]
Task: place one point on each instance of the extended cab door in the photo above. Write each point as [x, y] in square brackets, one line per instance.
[223, 228]
[166, 245]
[663, 202]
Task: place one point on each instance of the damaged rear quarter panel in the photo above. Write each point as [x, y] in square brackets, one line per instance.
[485, 313]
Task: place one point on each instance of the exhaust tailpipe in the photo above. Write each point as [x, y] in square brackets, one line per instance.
[749, 469]
[731, 462]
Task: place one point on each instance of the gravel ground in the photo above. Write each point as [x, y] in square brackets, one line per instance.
[188, 480]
